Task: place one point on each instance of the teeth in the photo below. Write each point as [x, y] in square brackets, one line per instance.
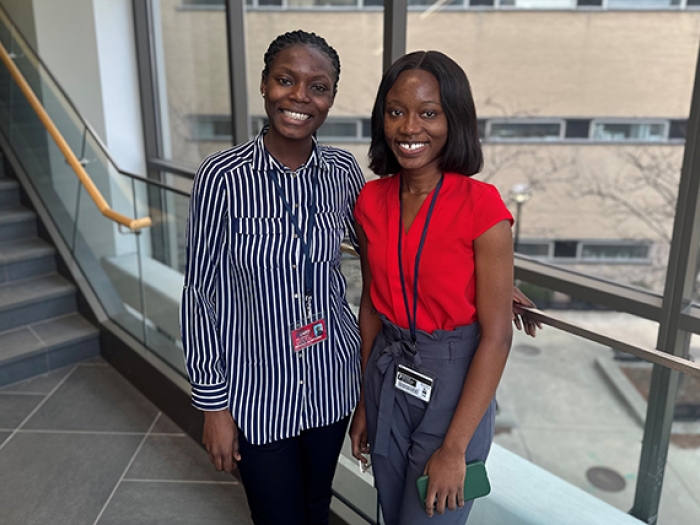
[412, 145]
[296, 116]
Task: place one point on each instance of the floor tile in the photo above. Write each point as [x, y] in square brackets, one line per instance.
[60, 479]
[165, 425]
[174, 458]
[97, 399]
[140, 503]
[4, 436]
[14, 408]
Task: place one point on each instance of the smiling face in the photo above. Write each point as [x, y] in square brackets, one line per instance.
[298, 91]
[415, 125]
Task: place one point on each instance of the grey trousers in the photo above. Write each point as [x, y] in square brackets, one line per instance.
[405, 431]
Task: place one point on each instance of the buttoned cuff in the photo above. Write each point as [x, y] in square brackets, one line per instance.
[210, 397]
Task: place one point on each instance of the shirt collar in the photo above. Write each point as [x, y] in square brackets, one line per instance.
[263, 161]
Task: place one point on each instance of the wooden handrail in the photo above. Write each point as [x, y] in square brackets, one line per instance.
[71, 159]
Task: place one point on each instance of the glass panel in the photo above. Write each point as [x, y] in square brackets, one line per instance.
[682, 477]
[640, 4]
[192, 75]
[337, 131]
[523, 131]
[533, 249]
[621, 132]
[321, 3]
[107, 253]
[615, 252]
[607, 190]
[571, 406]
[51, 176]
[538, 4]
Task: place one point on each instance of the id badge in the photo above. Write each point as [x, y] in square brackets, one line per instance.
[414, 383]
[304, 336]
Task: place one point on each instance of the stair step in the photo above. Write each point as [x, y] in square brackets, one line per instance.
[36, 299]
[9, 193]
[44, 346]
[17, 223]
[25, 258]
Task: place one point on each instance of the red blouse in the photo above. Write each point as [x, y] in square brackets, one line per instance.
[465, 208]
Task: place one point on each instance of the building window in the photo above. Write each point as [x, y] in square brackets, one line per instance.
[621, 131]
[677, 129]
[214, 128]
[538, 4]
[577, 128]
[523, 130]
[587, 251]
[338, 129]
[642, 4]
[614, 252]
[534, 249]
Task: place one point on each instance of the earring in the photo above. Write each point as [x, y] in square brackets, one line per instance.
[262, 94]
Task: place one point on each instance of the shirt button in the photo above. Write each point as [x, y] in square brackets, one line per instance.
[296, 236]
[296, 296]
[294, 266]
[294, 174]
[301, 381]
[296, 205]
[300, 354]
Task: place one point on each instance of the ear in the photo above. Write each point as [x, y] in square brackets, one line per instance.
[263, 78]
[333, 98]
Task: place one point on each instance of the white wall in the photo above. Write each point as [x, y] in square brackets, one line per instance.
[22, 13]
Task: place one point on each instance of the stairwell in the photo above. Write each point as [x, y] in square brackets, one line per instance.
[40, 327]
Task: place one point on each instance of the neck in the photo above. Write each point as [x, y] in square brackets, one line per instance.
[419, 183]
[291, 153]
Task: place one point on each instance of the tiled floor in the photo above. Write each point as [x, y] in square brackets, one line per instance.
[81, 446]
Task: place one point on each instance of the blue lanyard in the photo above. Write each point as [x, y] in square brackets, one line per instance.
[412, 320]
[294, 219]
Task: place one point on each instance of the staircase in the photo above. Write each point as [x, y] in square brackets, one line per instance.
[40, 328]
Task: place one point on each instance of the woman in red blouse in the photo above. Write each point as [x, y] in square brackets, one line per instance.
[435, 315]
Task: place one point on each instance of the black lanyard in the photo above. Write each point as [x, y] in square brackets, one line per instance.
[412, 321]
[294, 219]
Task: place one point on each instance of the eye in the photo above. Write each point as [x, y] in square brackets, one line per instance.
[430, 113]
[320, 88]
[394, 112]
[284, 81]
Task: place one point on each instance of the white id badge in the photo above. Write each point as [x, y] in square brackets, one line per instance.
[414, 383]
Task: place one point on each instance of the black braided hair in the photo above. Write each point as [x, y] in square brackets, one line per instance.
[293, 38]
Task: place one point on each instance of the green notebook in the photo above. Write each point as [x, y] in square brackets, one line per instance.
[476, 482]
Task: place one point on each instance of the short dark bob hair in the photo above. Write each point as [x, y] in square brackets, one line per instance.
[462, 152]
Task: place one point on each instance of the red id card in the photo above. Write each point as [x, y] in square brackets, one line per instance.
[309, 335]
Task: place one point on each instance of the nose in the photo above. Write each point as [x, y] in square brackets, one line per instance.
[410, 124]
[299, 92]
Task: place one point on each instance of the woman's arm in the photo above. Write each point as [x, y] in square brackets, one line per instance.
[493, 253]
[370, 324]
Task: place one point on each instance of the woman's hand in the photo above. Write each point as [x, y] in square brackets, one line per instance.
[445, 469]
[520, 318]
[220, 438]
[358, 435]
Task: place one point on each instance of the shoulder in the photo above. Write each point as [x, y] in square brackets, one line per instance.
[474, 189]
[226, 161]
[339, 158]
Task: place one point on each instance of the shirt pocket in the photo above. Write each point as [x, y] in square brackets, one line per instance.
[258, 242]
[327, 236]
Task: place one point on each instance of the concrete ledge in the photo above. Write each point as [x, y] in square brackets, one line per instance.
[525, 494]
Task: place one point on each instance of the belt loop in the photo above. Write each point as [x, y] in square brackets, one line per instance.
[452, 356]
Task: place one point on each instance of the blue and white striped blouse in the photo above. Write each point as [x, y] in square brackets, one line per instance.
[244, 291]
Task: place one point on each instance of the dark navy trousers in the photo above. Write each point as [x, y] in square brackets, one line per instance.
[405, 431]
[289, 481]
